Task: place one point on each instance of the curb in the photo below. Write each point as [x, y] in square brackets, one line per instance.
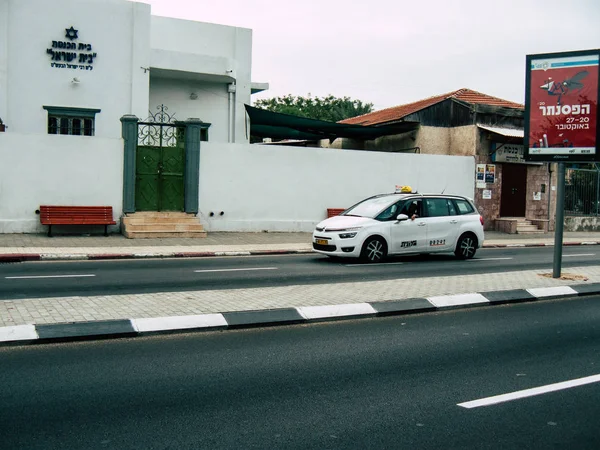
[23, 257]
[66, 332]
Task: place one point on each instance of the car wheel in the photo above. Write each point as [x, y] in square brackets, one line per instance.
[374, 250]
[466, 246]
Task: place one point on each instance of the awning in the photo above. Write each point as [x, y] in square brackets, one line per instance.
[265, 123]
[507, 132]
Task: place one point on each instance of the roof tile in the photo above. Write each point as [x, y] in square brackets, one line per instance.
[398, 112]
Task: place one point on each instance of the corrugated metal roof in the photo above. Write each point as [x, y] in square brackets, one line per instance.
[398, 112]
[509, 132]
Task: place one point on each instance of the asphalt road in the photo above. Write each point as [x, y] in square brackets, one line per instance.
[375, 383]
[56, 279]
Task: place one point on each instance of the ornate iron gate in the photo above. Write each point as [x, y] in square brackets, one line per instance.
[160, 163]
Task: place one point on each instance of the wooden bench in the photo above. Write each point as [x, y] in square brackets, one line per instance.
[76, 215]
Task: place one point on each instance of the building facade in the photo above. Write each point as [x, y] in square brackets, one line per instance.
[511, 194]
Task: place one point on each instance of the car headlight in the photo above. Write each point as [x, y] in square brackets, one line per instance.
[348, 233]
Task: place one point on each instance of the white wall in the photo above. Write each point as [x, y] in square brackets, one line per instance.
[56, 170]
[222, 52]
[211, 105]
[279, 188]
[109, 26]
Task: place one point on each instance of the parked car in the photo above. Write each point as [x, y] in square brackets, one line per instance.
[396, 224]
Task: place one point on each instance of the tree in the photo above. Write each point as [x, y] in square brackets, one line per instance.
[330, 108]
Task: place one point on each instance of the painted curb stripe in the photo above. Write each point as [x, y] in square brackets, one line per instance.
[146, 325]
[18, 333]
[592, 288]
[261, 317]
[67, 256]
[409, 305]
[508, 296]
[530, 392]
[446, 301]
[552, 291]
[323, 312]
[82, 329]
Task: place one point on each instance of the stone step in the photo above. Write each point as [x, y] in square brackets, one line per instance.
[170, 227]
[158, 220]
[530, 232]
[163, 234]
[521, 228]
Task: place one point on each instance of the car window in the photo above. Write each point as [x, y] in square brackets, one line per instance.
[451, 207]
[412, 207]
[389, 213]
[437, 207]
[463, 206]
[371, 207]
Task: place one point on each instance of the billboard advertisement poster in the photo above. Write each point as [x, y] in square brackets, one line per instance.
[561, 107]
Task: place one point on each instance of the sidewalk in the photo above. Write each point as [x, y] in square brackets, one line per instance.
[78, 317]
[27, 247]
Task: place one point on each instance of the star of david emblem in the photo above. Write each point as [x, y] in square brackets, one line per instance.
[71, 33]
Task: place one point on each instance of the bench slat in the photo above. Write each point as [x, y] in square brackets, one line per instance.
[76, 215]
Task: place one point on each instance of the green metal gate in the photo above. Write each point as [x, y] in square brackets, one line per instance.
[160, 164]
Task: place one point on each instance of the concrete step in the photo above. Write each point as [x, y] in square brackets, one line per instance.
[170, 227]
[163, 234]
[158, 220]
[536, 231]
[524, 228]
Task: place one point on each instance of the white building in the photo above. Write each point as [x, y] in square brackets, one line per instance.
[76, 76]
[112, 57]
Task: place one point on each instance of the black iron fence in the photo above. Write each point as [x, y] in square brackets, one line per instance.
[582, 192]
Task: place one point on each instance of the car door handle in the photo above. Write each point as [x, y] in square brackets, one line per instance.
[454, 221]
[421, 224]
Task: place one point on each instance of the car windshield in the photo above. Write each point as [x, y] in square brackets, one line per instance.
[372, 206]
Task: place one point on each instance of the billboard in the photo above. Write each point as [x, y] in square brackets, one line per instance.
[561, 107]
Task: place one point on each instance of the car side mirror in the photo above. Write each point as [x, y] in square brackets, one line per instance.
[401, 217]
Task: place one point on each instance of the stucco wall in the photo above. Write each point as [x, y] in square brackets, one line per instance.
[210, 106]
[56, 170]
[108, 26]
[222, 52]
[289, 188]
[463, 140]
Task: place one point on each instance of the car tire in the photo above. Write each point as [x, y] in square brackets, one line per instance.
[466, 246]
[374, 250]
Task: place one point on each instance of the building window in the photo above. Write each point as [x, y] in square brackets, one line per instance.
[71, 121]
[204, 134]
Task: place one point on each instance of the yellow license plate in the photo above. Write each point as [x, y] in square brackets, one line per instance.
[322, 241]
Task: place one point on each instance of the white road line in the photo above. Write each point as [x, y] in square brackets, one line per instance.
[580, 254]
[47, 276]
[530, 392]
[488, 259]
[235, 270]
[372, 264]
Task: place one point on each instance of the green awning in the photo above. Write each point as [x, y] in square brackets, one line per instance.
[268, 124]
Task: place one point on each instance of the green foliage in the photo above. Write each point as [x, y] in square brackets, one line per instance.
[330, 108]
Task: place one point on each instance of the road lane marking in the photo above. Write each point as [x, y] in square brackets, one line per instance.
[529, 392]
[580, 254]
[489, 259]
[47, 276]
[372, 264]
[235, 270]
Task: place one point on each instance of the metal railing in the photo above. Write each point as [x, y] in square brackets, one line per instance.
[582, 192]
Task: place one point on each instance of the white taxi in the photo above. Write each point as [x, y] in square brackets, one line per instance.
[395, 224]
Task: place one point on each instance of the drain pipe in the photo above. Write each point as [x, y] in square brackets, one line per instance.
[231, 132]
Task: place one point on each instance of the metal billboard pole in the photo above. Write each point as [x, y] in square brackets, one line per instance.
[560, 220]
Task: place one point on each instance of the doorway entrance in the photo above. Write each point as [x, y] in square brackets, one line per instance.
[160, 164]
[513, 194]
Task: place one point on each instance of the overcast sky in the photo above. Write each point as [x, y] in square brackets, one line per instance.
[391, 52]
